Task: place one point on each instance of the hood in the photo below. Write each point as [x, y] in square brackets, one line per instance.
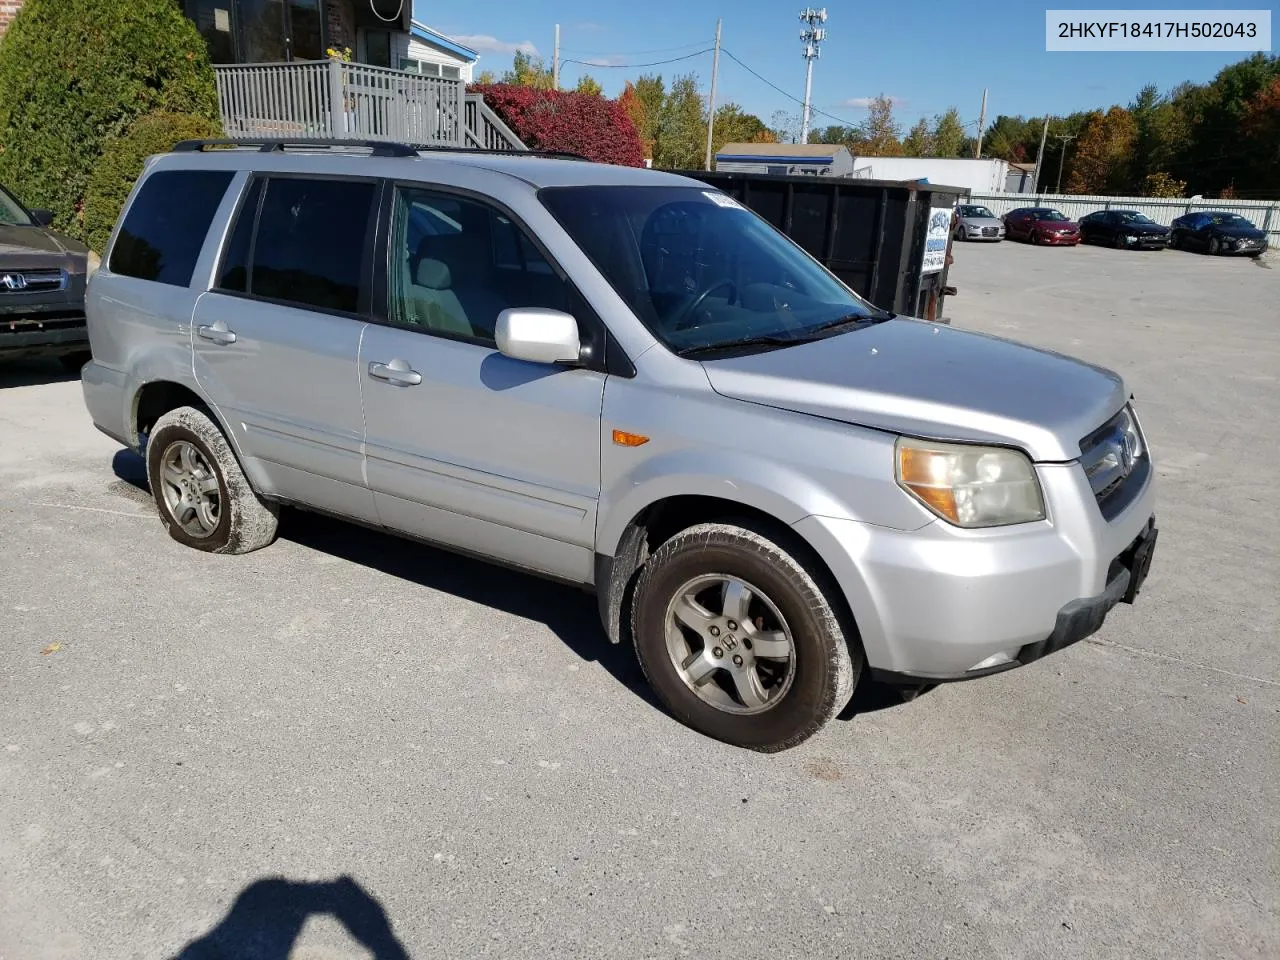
[1057, 224]
[1144, 229]
[926, 380]
[36, 246]
[983, 221]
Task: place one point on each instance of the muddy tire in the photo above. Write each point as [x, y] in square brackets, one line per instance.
[739, 638]
[203, 497]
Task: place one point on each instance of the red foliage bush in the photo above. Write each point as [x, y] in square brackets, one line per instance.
[597, 128]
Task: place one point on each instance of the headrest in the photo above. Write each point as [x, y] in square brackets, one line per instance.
[433, 274]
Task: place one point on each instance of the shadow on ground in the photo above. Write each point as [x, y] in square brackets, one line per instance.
[267, 917]
[30, 372]
[569, 613]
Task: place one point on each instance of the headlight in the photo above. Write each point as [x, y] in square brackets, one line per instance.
[970, 486]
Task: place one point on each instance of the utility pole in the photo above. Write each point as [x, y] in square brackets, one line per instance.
[711, 113]
[555, 62]
[982, 124]
[1065, 138]
[812, 37]
[1035, 186]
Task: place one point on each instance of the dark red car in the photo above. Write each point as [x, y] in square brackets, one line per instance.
[1041, 225]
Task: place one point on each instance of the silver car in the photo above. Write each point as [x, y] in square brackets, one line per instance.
[976, 222]
[621, 379]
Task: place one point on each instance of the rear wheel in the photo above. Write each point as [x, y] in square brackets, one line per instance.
[204, 499]
[739, 639]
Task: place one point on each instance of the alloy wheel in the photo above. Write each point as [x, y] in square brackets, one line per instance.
[730, 644]
[191, 490]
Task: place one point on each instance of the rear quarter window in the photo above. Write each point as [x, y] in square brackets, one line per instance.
[164, 228]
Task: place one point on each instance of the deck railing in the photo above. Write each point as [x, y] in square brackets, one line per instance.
[337, 100]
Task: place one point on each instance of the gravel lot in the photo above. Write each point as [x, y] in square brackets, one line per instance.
[462, 744]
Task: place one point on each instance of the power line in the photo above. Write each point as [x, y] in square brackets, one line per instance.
[639, 53]
[631, 66]
[770, 83]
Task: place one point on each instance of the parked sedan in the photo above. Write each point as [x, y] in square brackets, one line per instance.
[1218, 233]
[976, 222]
[1124, 230]
[1041, 225]
[42, 282]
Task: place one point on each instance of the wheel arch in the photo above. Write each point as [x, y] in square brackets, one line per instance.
[661, 519]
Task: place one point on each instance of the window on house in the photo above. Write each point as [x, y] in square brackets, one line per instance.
[377, 48]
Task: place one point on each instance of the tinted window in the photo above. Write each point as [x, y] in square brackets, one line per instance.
[233, 274]
[165, 227]
[11, 211]
[457, 263]
[701, 271]
[311, 242]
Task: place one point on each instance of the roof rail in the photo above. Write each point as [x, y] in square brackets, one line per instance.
[377, 148]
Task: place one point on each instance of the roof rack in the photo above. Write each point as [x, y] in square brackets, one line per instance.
[376, 148]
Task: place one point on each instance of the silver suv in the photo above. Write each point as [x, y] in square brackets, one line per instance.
[622, 379]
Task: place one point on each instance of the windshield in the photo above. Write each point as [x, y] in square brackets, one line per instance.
[1133, 216]
[700, 270]
[1049, 215]
[1230, 220]
[11, 212]
[972, 211]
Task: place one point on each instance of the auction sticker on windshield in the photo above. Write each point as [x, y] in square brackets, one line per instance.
[723, 200]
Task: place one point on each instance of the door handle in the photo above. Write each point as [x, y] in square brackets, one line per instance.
[396, 372]
[217, 333]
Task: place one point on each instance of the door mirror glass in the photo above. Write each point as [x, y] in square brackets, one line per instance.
[42, 217]
[538, 335]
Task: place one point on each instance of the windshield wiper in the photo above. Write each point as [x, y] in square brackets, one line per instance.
[769, 339]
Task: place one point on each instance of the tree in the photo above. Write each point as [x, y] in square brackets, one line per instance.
[593, 126]
[919, 140]
[587, 84]
[1261, 126]
[528, 70]
[1162, 185]
[786, 128]
[642, 102]
[879, 133]
[948, 136]
[735, 125]
[682, 131]
[487, 77]
[74, 73]
[1103, 154]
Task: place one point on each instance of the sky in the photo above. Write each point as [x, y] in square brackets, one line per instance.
[927, 55]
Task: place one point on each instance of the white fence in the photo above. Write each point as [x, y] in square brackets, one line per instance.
[1264, 214]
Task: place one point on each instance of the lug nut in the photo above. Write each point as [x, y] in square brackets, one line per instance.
[737, 660]
[732, 625]
[717, 653]
[715, 631]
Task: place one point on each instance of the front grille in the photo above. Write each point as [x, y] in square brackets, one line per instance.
[1116, 461]
[50, 320]
[31, 281]
[990, 231]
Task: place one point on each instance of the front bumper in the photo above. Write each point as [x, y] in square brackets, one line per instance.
[976, 233]
[27, 331]
[1058, 240]
[941, 604]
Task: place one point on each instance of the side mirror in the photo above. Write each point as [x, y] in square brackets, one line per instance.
[538, 335]
[42, 217]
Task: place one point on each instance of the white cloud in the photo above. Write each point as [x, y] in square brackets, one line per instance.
[612, 60]
[487, 44]
[861, 103]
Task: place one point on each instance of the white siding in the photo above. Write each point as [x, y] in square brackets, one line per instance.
[942, 172]
[416, 49]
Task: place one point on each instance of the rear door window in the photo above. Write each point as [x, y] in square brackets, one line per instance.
[312, 245]
[165, 226]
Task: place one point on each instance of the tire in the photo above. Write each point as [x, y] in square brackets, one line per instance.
[1175, 241]
[815, 659]
[1215, 247]
[227, 516]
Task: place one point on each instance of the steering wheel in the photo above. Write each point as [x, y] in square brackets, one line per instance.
[682, 322]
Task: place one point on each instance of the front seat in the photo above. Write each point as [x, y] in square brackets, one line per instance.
[430, 301]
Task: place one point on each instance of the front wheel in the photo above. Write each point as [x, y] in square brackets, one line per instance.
[204, 498]
[739, 639]
[1215, 247]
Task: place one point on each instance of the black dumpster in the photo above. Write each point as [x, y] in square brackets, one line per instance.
[888, 240]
